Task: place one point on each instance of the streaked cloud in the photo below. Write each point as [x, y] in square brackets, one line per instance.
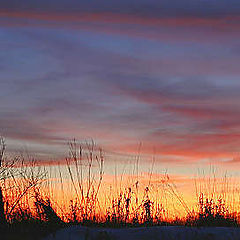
[169, 79]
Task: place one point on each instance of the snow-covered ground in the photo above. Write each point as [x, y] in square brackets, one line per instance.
[148, 233]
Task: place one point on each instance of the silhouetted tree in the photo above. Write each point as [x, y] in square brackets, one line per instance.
[3, 221]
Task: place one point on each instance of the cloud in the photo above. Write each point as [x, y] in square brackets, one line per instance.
[140, 7]
[186, 28]
[168, 80]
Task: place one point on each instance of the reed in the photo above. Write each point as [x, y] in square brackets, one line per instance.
[27, 198]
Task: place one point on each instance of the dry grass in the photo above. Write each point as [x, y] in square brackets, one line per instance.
[24, 199]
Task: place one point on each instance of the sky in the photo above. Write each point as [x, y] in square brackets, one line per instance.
[159, 74]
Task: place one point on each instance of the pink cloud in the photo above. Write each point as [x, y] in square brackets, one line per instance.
[191, 29]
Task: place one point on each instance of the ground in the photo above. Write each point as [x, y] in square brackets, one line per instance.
[148, 233]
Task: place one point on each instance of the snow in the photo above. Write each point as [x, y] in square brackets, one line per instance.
[146, 233]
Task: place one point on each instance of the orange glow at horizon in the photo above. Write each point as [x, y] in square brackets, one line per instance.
[172, 196]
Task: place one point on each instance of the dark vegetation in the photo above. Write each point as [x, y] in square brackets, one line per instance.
[26, 210]
[212, 213]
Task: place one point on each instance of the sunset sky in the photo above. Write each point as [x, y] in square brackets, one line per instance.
[163, 74]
